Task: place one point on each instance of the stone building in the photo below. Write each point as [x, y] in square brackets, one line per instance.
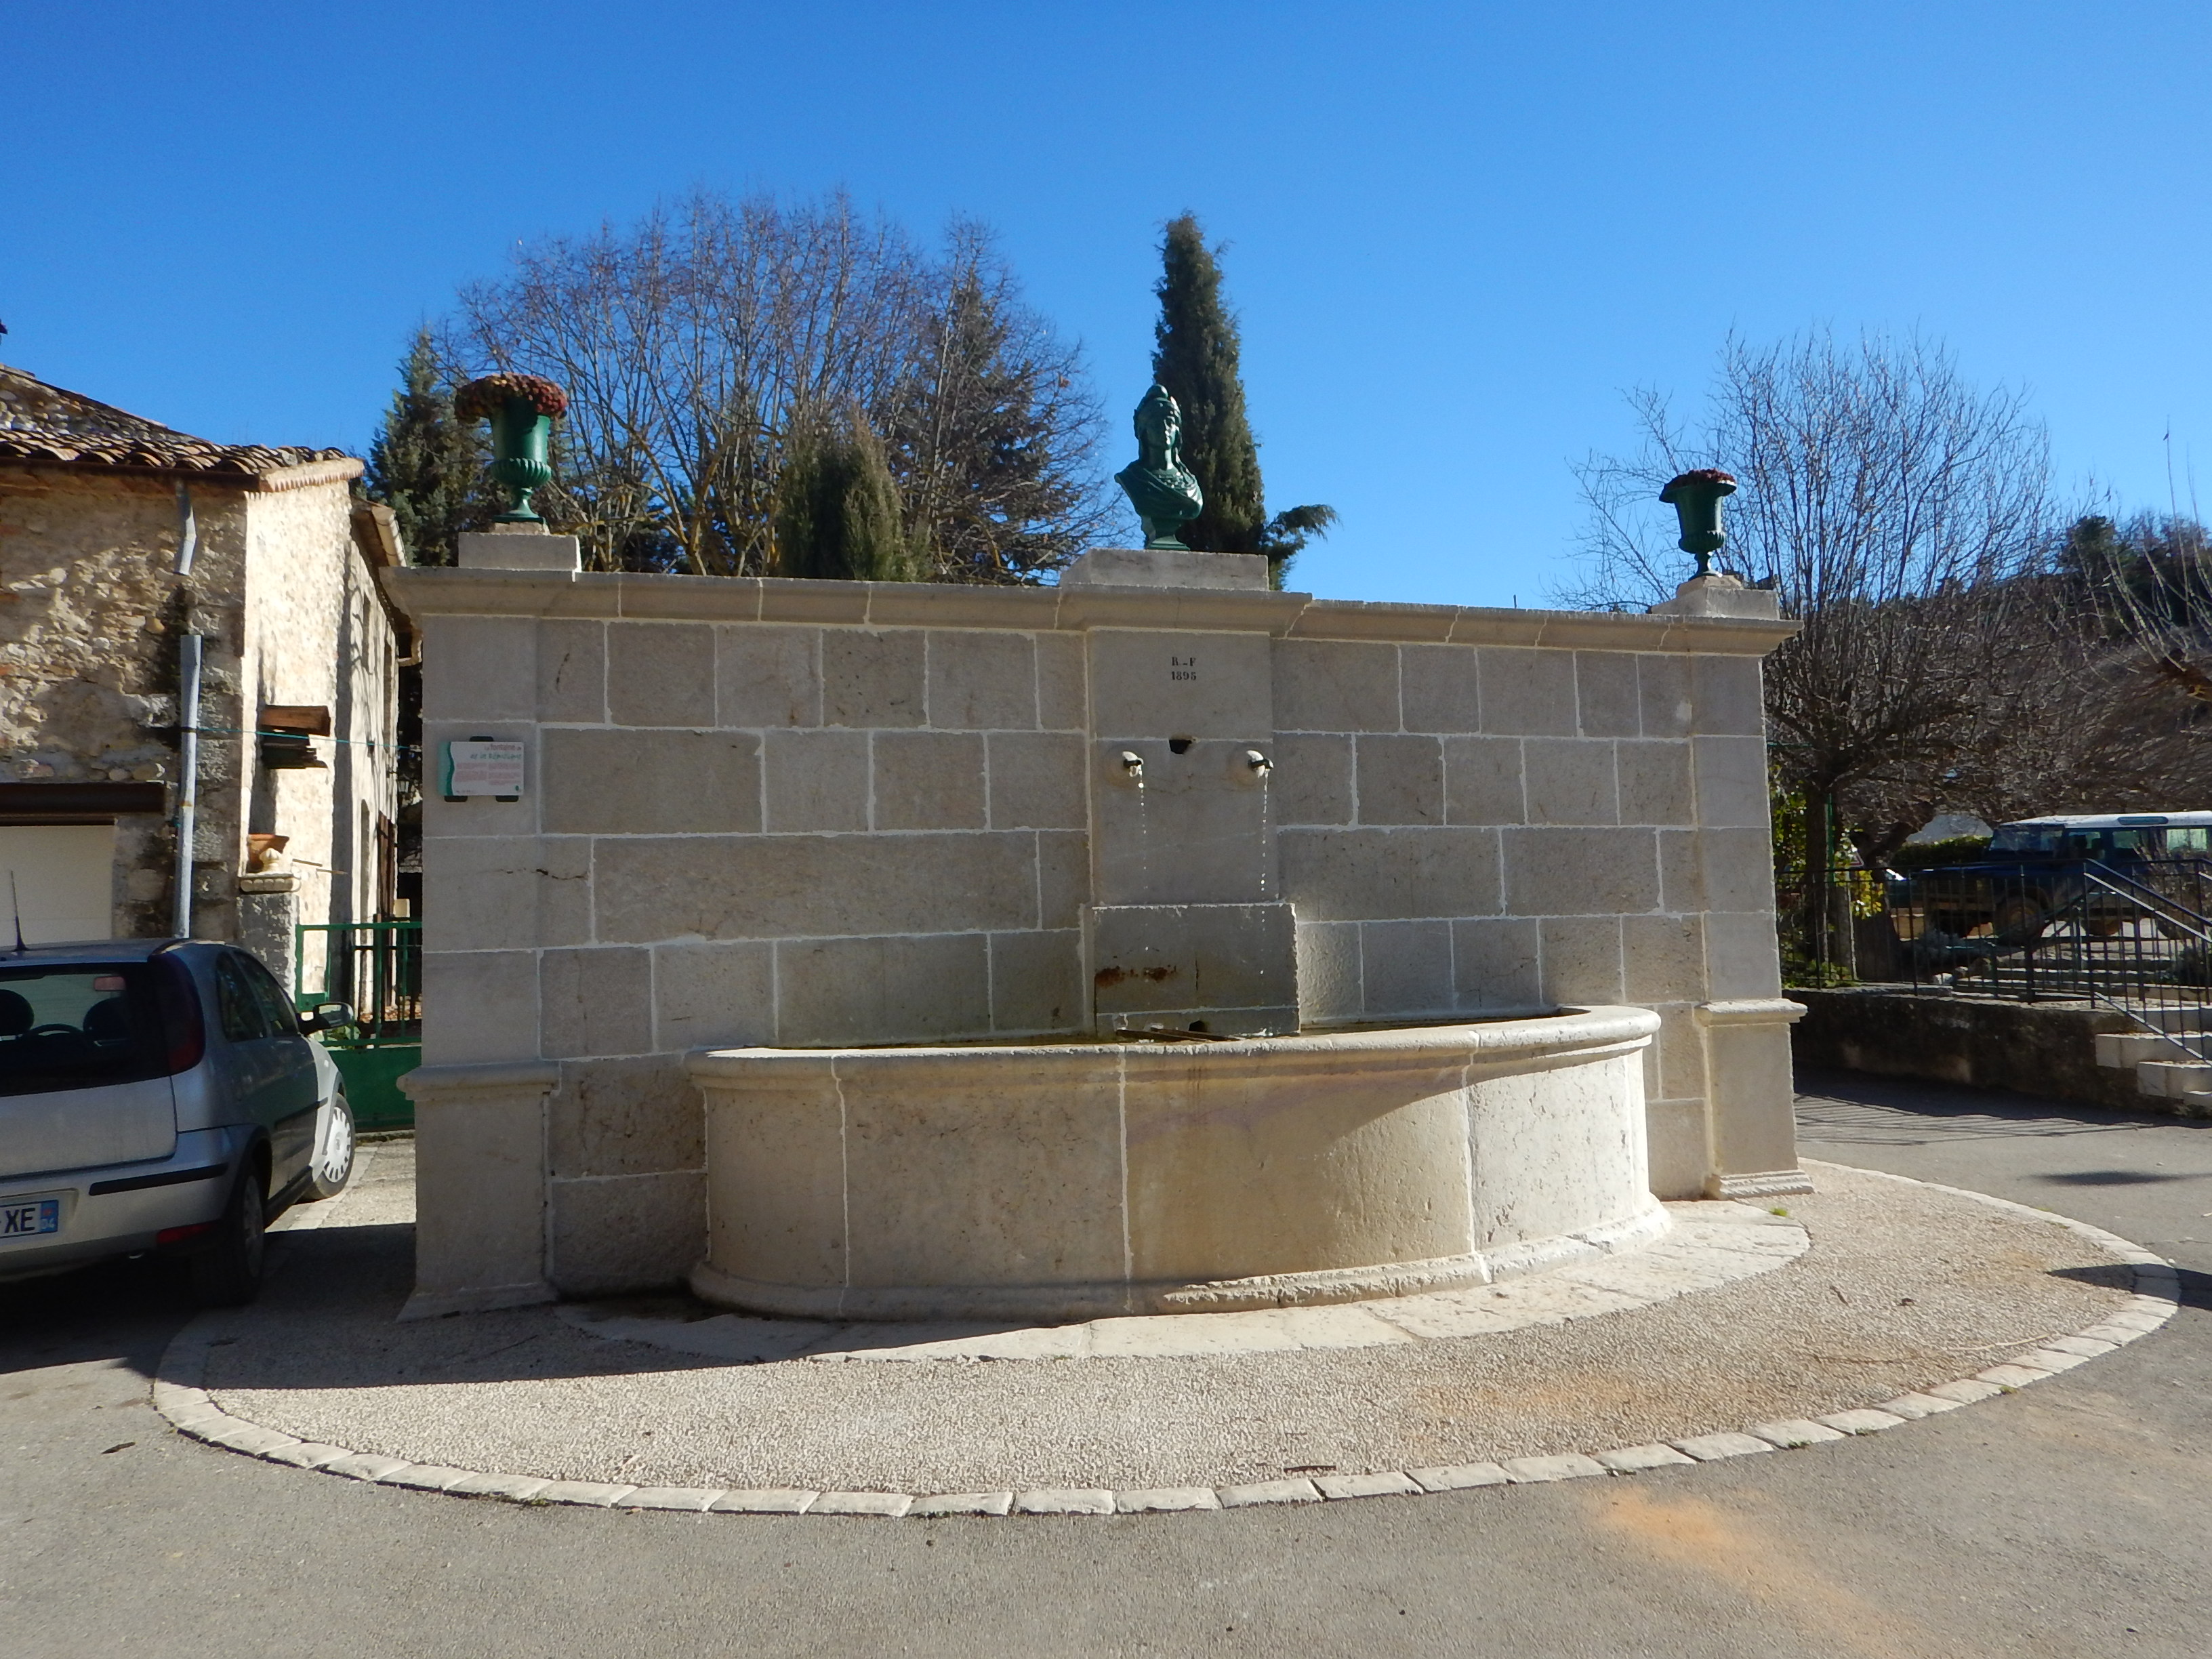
[123, 542]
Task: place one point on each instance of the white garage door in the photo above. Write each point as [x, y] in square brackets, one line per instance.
[64, 880]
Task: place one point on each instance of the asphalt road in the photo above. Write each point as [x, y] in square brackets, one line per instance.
[2072, 1518]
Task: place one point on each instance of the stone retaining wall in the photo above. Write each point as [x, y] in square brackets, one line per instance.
[2046, 1048]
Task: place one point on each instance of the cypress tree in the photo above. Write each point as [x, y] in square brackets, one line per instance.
[1196, 357]
[837, 513]
[424, 465]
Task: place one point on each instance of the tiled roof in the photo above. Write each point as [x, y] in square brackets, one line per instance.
[47, 426]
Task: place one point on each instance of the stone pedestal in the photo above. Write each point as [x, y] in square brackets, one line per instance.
[480, 1186]
[520, 549]
[1160, 566]
[1719, 595]
[1753, 1147]
[267, 912]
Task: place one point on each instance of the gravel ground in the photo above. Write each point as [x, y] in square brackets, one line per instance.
[1903, 1287]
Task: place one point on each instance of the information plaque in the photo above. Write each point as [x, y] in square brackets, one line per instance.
[482, 767]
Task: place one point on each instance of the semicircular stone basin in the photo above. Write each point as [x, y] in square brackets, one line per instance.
[1076, 1180]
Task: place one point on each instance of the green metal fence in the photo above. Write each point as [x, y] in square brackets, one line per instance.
[377, 966]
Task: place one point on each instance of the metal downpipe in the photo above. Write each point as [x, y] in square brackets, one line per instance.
[188, 777]
[188, 724]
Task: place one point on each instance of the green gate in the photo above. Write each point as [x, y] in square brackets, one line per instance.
[377, 966]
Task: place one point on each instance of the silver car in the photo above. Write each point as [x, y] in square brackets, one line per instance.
[159, 1095]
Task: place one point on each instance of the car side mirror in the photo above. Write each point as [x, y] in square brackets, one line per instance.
[326, 1016]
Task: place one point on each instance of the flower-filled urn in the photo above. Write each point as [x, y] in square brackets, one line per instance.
[521, 409]
[1696, 498]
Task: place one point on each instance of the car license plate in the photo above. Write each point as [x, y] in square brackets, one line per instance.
[29, 1218]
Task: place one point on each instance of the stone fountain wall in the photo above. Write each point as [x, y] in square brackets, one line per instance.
[810, 815]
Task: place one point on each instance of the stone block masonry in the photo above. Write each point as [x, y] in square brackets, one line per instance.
[2046, 1048]
[824, 814]
[282, 594]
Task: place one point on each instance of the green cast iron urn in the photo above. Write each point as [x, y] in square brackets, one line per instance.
[1696, 498]
[521, 409]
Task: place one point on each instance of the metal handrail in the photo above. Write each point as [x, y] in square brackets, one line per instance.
[2080, 928]
[2145, 990]
[2164, 906]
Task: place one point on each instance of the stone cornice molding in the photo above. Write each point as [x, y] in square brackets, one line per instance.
[506, 1076]
[424, 591]
[1751, 1011]
[1572, 1036]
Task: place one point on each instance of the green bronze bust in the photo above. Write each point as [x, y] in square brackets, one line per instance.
[1164, 491]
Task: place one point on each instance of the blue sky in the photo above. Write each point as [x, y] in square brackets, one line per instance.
[1456, 232]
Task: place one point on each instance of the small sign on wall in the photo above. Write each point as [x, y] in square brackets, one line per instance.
[483, 766]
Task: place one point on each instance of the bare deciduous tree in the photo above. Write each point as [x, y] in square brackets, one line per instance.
[2096, 698]
[2121, 717]
[981, 426]
[695, 343]
[1893, 506]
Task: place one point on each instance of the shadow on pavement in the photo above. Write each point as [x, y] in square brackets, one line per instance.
[2113, 1177]
[2196, 1290]
[121, 1310]
[328, 1318]
[1852, 1107]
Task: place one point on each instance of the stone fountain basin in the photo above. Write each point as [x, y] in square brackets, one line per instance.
[1074, 1180]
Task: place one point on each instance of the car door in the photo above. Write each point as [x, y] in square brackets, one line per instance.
[246, 1059]
[295, 1087]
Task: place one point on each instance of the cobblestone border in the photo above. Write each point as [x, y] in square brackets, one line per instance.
[178, 1397]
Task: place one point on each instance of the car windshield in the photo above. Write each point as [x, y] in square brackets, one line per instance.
[2024, 838]
[78, 1025]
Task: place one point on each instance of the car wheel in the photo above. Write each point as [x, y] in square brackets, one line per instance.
[228, 1273]
[333, 1162]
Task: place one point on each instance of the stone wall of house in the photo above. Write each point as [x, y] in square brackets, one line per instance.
[314, 630]
[90, 611]
[814, 814]
[289, 611]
